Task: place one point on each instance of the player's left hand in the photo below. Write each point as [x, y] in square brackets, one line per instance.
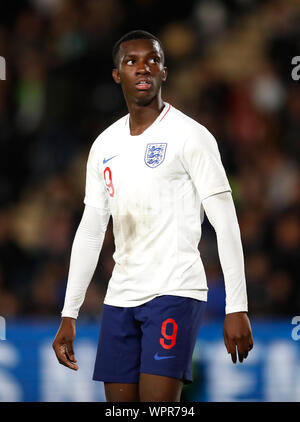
[238, 335]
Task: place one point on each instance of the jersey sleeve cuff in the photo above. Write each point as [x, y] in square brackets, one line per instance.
[237, 308]
[69, 314]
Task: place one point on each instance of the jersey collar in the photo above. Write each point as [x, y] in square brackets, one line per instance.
[159, 118]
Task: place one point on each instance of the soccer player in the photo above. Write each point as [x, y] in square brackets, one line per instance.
[156, 171]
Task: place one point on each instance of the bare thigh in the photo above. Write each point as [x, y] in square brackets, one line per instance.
[117, 392]
[158, 388]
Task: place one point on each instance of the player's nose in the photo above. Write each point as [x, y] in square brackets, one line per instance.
[142, 68]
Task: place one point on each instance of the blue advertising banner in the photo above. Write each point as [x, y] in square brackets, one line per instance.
[29, 370]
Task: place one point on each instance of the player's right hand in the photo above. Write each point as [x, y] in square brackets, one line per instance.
[63, 343]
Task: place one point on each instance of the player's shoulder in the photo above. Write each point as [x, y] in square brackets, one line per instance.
[109, 134]
[187, 124]
[190, 128]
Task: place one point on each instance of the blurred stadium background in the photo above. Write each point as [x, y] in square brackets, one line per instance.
[229, 68]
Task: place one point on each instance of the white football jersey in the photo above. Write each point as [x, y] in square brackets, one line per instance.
[153, 185]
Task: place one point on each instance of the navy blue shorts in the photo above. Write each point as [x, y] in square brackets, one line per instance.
[157, 337]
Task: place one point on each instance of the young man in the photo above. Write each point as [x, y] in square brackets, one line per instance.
[155, 171]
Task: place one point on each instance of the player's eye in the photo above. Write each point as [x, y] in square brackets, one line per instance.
[155, 60]
[130, 62]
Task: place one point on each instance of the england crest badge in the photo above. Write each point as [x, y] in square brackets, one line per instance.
[155, 154]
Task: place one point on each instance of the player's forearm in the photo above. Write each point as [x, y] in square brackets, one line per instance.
[221, 213]
[85, 252]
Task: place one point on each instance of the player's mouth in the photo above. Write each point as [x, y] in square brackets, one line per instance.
[143, 84]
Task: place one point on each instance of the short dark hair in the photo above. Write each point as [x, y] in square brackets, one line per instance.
[137, 34]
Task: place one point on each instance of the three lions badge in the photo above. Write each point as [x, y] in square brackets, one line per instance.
[155, 154]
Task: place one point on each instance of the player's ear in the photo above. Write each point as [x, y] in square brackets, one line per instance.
[164, 74]
[116, 75]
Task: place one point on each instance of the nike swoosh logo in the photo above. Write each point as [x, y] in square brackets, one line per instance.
[105, 161]
[156, 357]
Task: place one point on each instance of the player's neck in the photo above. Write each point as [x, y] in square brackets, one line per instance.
[141, 117]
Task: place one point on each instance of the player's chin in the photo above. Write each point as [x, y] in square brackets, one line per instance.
[145, 95]
[144, 98]
[140, 93]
